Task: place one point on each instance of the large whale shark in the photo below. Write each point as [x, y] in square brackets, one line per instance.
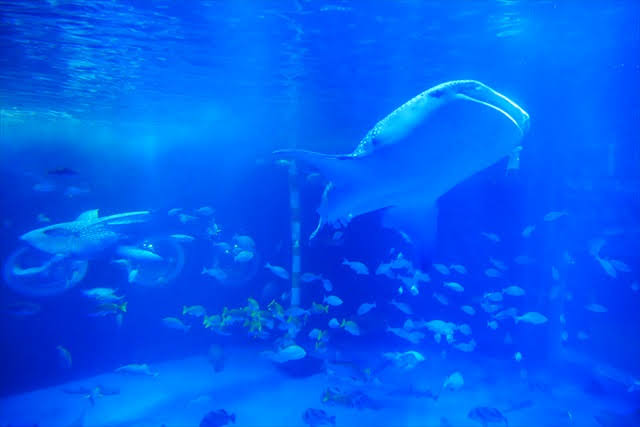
[84, 237]
[416, 154]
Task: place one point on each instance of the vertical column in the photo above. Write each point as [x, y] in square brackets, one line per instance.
[294, 205]
[611, 159]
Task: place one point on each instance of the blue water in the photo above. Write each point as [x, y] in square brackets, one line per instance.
[161, 105]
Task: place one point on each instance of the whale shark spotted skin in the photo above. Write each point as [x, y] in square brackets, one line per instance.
[84, 237]
[416, 154]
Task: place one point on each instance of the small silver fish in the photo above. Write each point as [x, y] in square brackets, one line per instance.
[184, 218]
[413, 337]
[498, 264]
[607, 267]
[514, 291]
[554, 215]
[454, 286]
[194, 310]
[492, 272]
[351, 327]
[493, 296]
[528, 230]
[596, 308]
[532, 317]
[385, 270]
[402, 307]
[356, 266]
[464, 329]
[620, 266]
[243, 256]
[523, 260]
[103, 294]
[278, 271]
[332, 300]
[174, 323]
[440, 298]
[490, 308]
[310, 277]
[365, 308]
[466, 347]
[205, 211]
[442, 269]
[215, 272]
[510, 312]
[468, 309]
[458, 268]
[133, 274]
[315, 333]
[491, 236]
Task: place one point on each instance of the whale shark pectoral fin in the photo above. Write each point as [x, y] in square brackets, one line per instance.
[322, 210]
[337, 168]
[321, 222]
[418, 220]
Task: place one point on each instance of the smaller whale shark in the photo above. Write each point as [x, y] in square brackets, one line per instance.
[86, 236]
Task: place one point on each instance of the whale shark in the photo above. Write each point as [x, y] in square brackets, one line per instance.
[86, 236]
[416, 154]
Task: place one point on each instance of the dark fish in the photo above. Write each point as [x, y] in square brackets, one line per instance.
[413, 391]
[318, 417]
[363, 401]
[486, 415]
[353, 399]
[524, 404]
[216, 358]
[218, 418]
[63, 172]
[22, 308]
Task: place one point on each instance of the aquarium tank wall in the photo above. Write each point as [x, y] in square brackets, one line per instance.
[320, 212]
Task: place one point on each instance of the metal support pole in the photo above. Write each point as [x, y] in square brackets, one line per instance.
[294, 204]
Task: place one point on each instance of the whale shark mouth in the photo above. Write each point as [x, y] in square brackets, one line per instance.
[479, 92]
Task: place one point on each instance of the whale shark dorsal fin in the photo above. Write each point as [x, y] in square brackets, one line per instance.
[88, 215]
